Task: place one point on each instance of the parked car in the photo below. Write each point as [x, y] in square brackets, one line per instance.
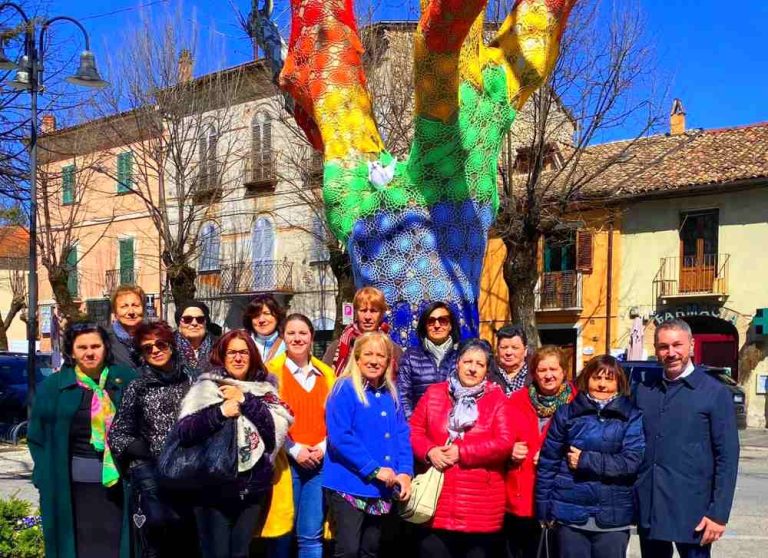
[13, 383]
[640, 370]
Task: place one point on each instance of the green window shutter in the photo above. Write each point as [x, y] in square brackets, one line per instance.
[126, 261]
[68, 184]
[124, 172]
[72, 269]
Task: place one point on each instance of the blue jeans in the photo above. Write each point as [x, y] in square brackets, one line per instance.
[309, 516]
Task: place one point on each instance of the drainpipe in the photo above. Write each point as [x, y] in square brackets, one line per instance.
[609, 288]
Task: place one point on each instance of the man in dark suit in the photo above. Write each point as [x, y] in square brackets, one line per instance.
[688, 476]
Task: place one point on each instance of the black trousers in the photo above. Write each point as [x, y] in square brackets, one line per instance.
[650, 548]
[438, 543]
[174, 539]
[579, 543]
[226, 528]
[522, 536]
[98, 518]
[358, 534]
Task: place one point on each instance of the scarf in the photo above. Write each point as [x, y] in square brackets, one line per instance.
[187, 351]
[268, 345]
[512, 384]
[346, 342]
[546, 405]
[126, 339]
[464, 412]
[102, 413]
[438, 351]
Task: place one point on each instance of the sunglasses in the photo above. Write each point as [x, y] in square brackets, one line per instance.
[441, 320]
[189, 319]
[149, 348]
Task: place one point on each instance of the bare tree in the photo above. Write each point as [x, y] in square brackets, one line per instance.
[15, 274]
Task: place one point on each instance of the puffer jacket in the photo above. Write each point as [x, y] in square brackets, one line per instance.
[521, 477]
[418, 370]
[472, 499]
[612, 443]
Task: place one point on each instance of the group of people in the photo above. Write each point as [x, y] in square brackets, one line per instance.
[153, 442]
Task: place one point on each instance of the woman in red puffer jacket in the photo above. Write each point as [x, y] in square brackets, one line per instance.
[531, 409]
[472, 413]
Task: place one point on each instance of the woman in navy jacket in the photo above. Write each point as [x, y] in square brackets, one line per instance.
[589, 462]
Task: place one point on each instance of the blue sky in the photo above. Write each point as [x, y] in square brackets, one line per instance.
[713, 51]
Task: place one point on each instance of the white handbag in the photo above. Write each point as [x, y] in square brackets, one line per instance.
[425, 491]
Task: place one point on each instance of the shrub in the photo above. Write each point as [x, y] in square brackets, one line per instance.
[21, 533]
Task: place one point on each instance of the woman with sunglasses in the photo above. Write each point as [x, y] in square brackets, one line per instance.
[146, 415]
[81, 490]
[432, 359]
[195, 337]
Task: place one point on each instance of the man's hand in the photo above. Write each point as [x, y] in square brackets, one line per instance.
[573, 457]
[519, 451]
[711, 530]
[306, 459]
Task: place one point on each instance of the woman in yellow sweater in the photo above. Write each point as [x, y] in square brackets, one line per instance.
[304, 383]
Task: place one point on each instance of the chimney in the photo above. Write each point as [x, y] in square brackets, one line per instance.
[49, 124]
[677, 118]
[185, 66]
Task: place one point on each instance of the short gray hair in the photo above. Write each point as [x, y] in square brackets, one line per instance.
[676, 323]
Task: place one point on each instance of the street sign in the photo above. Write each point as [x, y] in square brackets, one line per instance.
[347, 313]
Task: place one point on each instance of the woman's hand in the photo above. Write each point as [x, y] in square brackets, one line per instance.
[232, 392]
[451, 453]
[387, 476]
[573, 457]
[306, 459]
[519, 451]
[405, 486]
[317, 452]
[230, 408]
[440, 458]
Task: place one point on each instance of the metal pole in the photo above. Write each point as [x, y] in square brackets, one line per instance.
[32, 306]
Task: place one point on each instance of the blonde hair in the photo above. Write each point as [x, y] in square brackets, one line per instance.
[353, 371]
[128, 289]
[370, 296]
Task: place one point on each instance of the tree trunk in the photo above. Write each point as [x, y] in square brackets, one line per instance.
[520, 276]
[17, 304]
[3, 337]
[345, 292]
[69, 310]
[182, 279]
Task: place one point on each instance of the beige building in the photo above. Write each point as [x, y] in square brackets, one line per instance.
[14, 267]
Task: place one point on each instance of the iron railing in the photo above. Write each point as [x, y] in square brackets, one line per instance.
[559, 290]
[113, 278]
[245, 278]
[692, 276]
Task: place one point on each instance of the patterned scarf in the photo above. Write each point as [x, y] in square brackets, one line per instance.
[438, 351]
[191, 360]
[546, 405]
[464, 412]
[102, 413]
[512, 384]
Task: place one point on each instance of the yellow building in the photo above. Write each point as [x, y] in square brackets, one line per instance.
[14, 267]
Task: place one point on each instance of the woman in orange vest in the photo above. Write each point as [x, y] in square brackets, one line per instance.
[304, 383]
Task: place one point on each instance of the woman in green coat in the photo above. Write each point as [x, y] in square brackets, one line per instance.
[81, 492]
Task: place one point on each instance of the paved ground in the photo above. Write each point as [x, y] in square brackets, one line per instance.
[746, 537]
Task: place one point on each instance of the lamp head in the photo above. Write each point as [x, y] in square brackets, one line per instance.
[21, 82]
[87, 75]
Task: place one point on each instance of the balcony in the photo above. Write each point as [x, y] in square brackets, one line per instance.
[113, 278]
[559, 291]
[703, 276]
[313, 168]
[207, 185]
[259, 173]
[246, 278]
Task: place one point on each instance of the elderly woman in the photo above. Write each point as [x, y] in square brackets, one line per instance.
[369, 449]
[235, 390]
[589, 464]
[262, 318]
[531, 410]
[511, 370]
[144, 419]
[195, 337]
[462, 427]
[304, 384]
[81, 490]
[370, 306]
[432, 359]
[128, 303]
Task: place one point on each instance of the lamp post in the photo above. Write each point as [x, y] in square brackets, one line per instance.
[29, 77]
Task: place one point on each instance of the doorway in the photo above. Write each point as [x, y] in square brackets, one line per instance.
[564, 338]
[715, 343]
[698, 250]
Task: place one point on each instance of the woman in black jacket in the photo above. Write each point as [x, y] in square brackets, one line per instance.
[147, 413]
[195, 337]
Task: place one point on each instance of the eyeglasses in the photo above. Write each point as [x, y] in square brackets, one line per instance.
[441, 320]
[232, 354]
[189, 319]
[149, 348]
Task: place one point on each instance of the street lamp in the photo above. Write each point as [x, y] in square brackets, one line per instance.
[29, 77]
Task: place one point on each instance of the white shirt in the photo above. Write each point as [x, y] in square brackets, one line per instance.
[687, 372]
[306, 377]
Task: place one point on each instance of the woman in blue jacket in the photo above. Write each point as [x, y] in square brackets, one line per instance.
[589, 462]
[369, 447]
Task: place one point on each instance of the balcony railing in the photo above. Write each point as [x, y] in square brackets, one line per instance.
[113, 278]
[245, 278]
[559, 290]
[692, 276]
[259, 171]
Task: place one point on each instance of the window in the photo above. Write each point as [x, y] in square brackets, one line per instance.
[207, 158]
[68, 185]
[572, 252]
[261, 148]
[263, 249]
[526, 157]
[127, 275]
[698, 234]
[99, 311]
[319, 251]
[124, 172]
[210, 242]
[71, 266]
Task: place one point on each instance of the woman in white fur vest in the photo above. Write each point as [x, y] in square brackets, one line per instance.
[235, 389]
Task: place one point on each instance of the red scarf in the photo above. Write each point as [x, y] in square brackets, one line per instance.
[346, 342]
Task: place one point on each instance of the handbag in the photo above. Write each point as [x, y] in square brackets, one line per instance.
[425, 491]
[211, 462]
